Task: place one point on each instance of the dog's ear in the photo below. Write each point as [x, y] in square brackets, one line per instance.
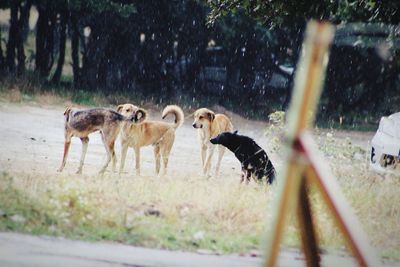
[211, 116]
[235, 132]
[140, 115]
[119, 108]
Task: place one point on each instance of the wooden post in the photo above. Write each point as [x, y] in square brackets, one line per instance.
[302, 165]
[321, 176]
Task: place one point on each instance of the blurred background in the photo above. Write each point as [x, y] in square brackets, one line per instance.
[241, 55]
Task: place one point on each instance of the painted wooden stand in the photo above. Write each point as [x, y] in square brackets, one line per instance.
[305, 165]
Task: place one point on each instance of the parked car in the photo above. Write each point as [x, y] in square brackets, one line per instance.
[385, 151]
[216, 78]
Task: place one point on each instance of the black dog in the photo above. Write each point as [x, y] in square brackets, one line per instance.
[253, 158]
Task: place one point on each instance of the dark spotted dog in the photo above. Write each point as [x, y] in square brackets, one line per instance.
[82, 122]
[254, 160]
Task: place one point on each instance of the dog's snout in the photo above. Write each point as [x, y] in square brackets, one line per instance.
[197, 126]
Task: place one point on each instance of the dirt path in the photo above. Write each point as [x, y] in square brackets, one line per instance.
[25, 250]
[32, 141]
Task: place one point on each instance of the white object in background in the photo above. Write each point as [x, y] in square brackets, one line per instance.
[385, 151]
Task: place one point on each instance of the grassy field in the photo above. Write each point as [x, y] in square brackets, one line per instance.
[186, 211]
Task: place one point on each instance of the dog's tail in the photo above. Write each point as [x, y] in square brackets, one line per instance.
[178, 113]
[67, 113]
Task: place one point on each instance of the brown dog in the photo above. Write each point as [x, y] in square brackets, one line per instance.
[157, 133]
[209, 125]
[82, 122]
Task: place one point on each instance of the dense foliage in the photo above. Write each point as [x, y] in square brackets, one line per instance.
[228, 48]
[281, 13]
[363, 73]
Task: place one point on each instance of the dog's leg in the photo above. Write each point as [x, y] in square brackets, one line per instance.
[165, 155]
[203, 154]
[85, 143]
[124, 150]
[166, 150]
[207, 165]
[109, 149]
[157, 156]
[113, 137]
[113, 155]
[165, 161]
[137, 158]
[259, 175]
[248, 176]
[67, 143]
[221, 151]
[244, 175]
[109, 134]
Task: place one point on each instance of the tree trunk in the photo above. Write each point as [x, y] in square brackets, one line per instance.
[61, 52]
[24, 19]
[95, 57]
[45, 41]
[75, 50]
[40, 40]
[12, 37]
[24, 16]
[50, 46]
[2, 60]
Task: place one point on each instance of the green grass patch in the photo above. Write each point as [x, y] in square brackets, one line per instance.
[190, 213]
[126, 211]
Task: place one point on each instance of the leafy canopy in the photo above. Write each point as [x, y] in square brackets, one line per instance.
[278, 13]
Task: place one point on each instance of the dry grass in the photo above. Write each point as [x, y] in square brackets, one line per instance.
[373, 197]
[190, 212]
[195, 213]
[30, 91]
[170, 212]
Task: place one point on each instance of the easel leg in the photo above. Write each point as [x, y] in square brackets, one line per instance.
[308, 234]
[288, 193]
[322, 177]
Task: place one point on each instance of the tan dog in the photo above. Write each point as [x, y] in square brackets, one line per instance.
[209, 125]
[82, 122]
[157, 133]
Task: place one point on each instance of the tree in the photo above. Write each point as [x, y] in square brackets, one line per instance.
[281, 13]
[105, 19]
[62, 44]
[2, 60]
[23, 25]
[12, 37]
[45, 39]
[286, 20]
[56, 18]
[19, 11]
